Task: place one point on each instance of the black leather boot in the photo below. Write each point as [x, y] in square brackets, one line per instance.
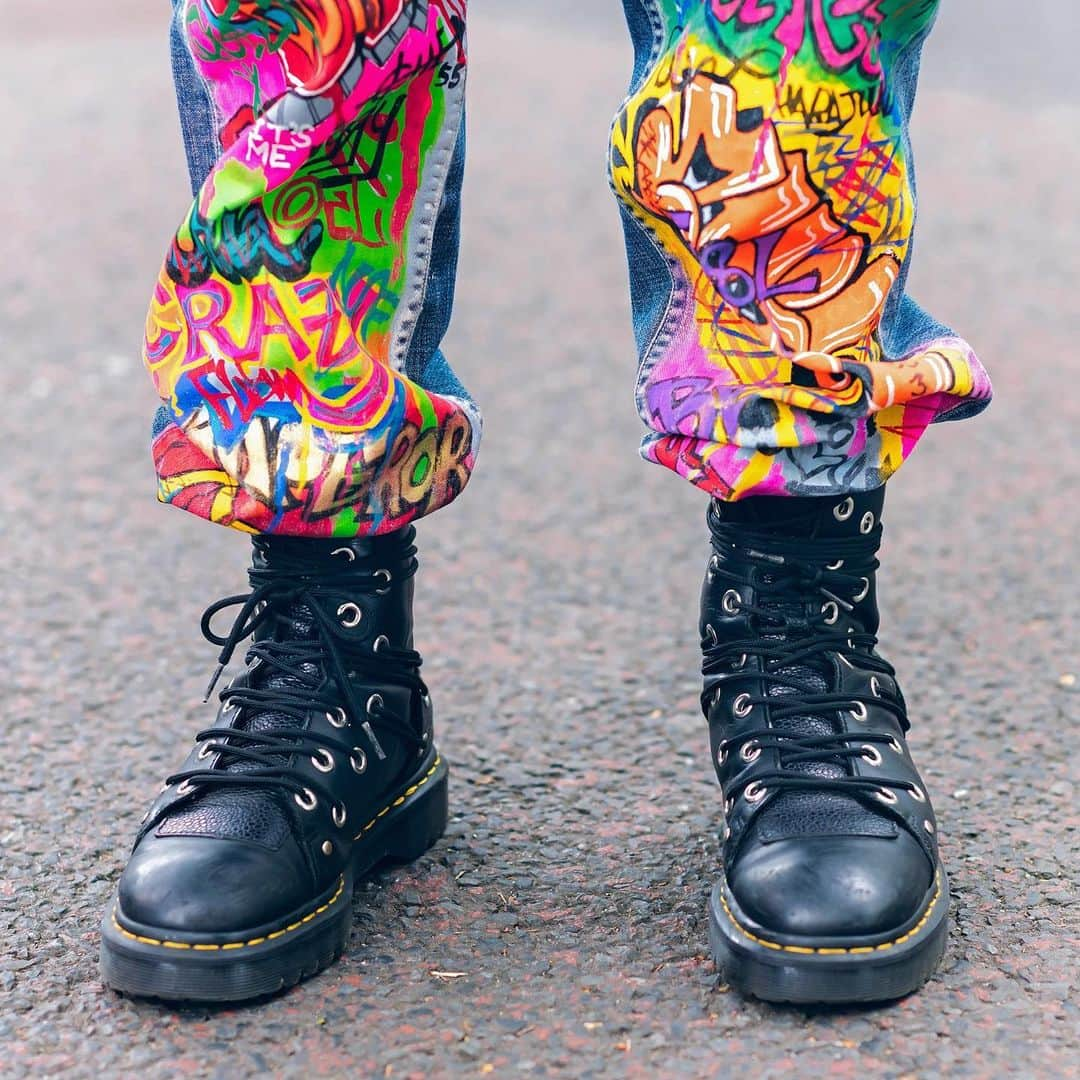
[320, 765]
[832, 888]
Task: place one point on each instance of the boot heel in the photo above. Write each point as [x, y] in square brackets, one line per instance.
[422, 821]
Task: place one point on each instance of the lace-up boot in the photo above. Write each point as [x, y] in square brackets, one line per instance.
[832, 888]
[319, 765]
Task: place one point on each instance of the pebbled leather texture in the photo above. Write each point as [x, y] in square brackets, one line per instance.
[818, 863]
[222, 859]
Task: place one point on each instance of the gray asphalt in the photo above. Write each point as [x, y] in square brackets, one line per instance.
[559, 929]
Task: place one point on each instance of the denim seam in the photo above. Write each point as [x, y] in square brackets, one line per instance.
[662, 336]
[429, 197]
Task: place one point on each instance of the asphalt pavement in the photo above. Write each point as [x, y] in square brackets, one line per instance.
[559, 929]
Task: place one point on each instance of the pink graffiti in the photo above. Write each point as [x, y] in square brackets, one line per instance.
[861, 19]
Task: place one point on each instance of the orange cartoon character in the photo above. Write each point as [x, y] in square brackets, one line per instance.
[786, 272]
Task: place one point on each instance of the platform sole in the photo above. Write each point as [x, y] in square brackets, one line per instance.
[811, 973]
[145, 963]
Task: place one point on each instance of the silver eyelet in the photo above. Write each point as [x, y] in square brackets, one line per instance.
[838, 565]
[340, 815]
[323, 760]
[710, 634]
[871, 755]
[750, 752]
[721, 754]
[894, 745]
[875, 686]
[327, 848]
[859, 713]
[205, 751]
[337, 718]
[730, 602]
[347, 552]
[381, 642]
[387, 577]
[186, 788]
[741, 705]
[831, 611]
[729, 805]
[864, 592]
[358, 760]
[929, 827]
[741, 663]
[843, 511]
[866, 525]
[350, 615]
[886, 796]
[374, 702]
[917, 794]
[714, 565]
[306, 800]
[754, 792]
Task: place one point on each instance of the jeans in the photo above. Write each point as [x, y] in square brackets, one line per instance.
[764, 175]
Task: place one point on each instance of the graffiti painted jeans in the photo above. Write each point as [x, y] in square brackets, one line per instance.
[763, 172]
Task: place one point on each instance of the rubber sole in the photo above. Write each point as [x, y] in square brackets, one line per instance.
[142, 962]
[805, 972]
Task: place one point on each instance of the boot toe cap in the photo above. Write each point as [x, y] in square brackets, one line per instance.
[198, 885]
[832, 886]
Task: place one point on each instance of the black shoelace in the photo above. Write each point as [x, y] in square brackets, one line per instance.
[320, 673]
[787, 575]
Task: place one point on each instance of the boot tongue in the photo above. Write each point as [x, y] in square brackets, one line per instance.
[802, 813]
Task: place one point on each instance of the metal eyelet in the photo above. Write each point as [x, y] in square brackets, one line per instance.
[340, 815]
[859, 713]
[730, 602]
[886, 796]
[381, 642]
[327, 848]
[729, 806]
[358, 760]
[186, 788]
[387, 577]
[894, 745]
[710, 634]
[750, 752]
[843, 511]
[323, 760]
[205, 751]
[871, 754]
[306, 800]
[714, 565]
[866, 525]
[864, 592]
[917, 794]
[929, 827]
[875, 686]
[337, 718]
[831, 611]
[350, 615]
[721, 754]
[347, 552]
[741, 706]
[754, 792]
[374, 702]
[741, 663]
[838, 565]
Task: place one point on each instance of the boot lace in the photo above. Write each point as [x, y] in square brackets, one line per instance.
[789, 576]
[318, 672]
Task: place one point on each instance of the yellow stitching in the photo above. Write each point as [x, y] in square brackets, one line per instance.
[294, 926]
[837, 951]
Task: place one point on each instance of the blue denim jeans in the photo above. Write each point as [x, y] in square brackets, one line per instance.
[763, 170]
